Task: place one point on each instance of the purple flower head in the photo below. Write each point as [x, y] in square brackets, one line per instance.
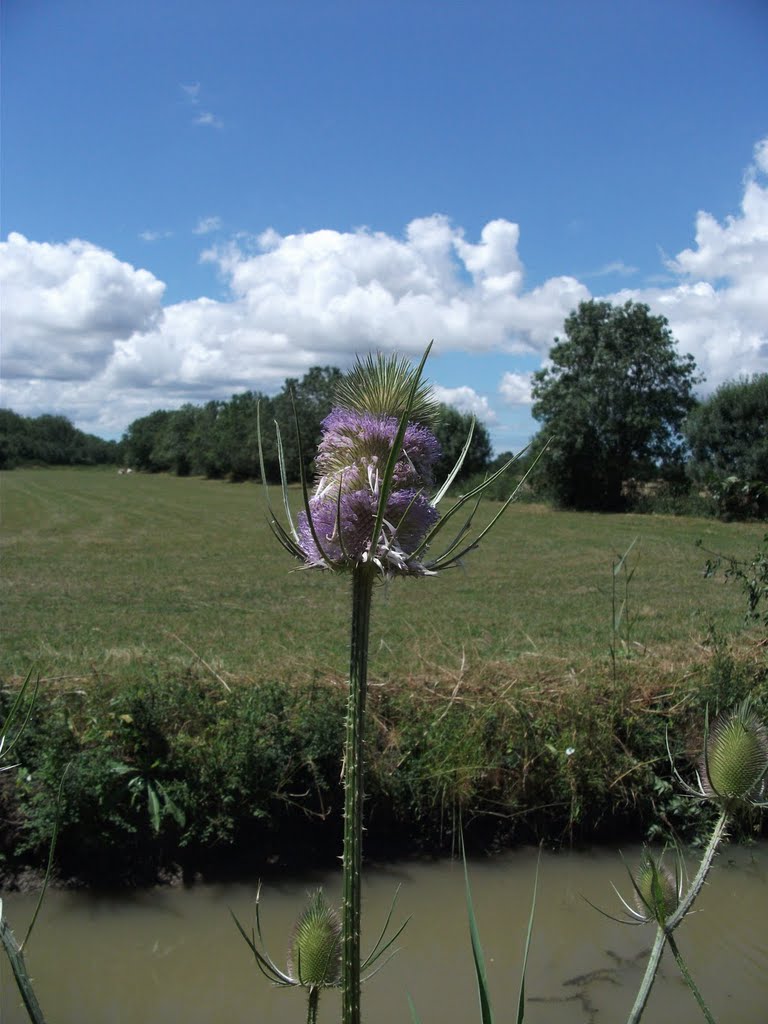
[344, 525]
[353, 441]
[370, 505]
[352, 459]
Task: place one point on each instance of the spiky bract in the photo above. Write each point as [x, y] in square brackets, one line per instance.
[382, 385]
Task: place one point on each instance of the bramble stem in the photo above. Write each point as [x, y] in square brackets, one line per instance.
[362, 590]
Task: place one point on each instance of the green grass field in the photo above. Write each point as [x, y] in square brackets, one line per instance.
[109, 575]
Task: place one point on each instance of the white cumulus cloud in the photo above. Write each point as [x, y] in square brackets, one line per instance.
[66, 305]
[86, 334]
[515, 388]
[717, 306]
[206, 225]
[466, 399]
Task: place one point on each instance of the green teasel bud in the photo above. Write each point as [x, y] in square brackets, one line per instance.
[735, 762]
[657, 892]
[314, 953]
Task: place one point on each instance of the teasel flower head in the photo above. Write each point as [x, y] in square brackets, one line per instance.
[314, 951]
[374, 500]
[657, 891]
[732, 770]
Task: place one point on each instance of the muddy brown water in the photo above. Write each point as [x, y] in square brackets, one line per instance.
[167, 955]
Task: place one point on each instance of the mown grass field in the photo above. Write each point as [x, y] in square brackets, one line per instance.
[107, 575]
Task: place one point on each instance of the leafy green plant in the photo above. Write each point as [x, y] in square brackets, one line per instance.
[751, 573]
[145, 787]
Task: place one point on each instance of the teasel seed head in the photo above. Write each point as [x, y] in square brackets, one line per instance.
[734, 765]
[314, 953]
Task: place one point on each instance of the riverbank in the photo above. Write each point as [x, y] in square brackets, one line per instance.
[174, 776]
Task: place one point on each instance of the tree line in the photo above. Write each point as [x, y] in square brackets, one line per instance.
[50, 441]
[221, 438]
[620, 423]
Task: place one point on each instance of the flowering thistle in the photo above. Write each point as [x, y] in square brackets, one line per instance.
[657, 890]
[371, 502]
[372, 514]
[314, 954]
[733, 768]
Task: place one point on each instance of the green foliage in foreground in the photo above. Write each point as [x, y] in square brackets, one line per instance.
[254, 773]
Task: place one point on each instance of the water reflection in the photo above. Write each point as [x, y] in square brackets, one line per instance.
[172, 954]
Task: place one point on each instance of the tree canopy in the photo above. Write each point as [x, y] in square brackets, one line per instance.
[613, 402]
[451, 430]
[728, 433]
[728, 438]
[220, 439]
[49, 440]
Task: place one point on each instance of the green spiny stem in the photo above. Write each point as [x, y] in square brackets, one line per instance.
[650, 976]
[664, 932]
[689, 980]
[718, 834]
[362, 590]
[20, 973]
[312, 1004]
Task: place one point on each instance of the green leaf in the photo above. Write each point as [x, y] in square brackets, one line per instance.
[153, 805]
[521, 999]
[486, 1013]
[414, 1016]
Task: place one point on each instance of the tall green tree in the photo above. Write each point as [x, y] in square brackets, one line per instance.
[51, 440]
[451, 428]
[613, 402]
[142, 445]
[728, 433]
[173, 441]
[728, 438]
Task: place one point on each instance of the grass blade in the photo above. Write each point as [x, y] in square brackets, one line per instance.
[521, 999]
[486, 1013]
[414, 1016]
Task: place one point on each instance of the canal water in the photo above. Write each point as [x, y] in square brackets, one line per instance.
[174, 954]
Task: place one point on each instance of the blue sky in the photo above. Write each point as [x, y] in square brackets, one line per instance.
[201, 198]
